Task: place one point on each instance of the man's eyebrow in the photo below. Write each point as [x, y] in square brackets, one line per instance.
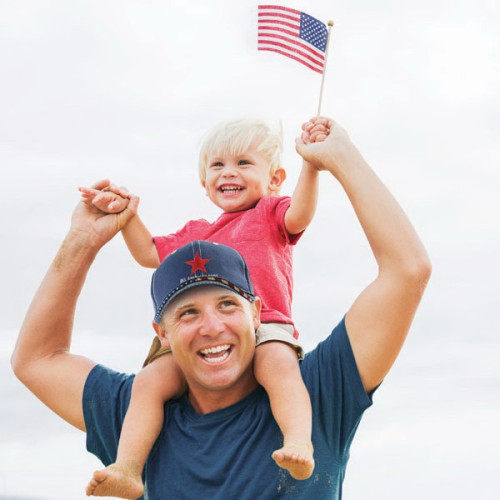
[192, 303]
[229, 295]
[181, 307]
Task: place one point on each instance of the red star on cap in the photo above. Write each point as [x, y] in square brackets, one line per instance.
[197, 264]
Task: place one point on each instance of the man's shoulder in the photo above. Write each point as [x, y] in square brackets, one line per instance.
[105, 401]
[103, 382]
[331, 357]
[330, 368]
[338, 340]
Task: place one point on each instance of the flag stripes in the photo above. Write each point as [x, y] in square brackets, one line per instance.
[293, 34]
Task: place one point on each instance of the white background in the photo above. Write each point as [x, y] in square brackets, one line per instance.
[125, 90]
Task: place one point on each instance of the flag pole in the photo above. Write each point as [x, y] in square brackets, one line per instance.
[330, 24]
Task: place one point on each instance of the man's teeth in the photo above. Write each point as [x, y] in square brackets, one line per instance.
[208, 354]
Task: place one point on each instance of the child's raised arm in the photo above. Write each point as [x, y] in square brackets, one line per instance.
[114, 199]
[140, 243]
[305, 196]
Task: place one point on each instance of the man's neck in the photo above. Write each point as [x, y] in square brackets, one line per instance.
[207, 401]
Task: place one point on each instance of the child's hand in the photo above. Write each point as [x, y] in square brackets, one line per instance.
[315, 130]
[111, 199]
[332, 152]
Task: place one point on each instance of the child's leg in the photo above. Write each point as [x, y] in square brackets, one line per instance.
[156, 383]
[276, 368]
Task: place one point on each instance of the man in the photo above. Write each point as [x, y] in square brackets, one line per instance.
[217, 440]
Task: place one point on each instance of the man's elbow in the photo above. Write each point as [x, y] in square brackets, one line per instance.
[21, 367]
[419, 271]
[17, 366]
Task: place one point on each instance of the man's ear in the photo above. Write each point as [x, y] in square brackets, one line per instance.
[277, 179]
[162, 335]
[256, 312]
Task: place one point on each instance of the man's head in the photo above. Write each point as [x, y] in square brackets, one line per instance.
[240, 162]
[195, 264]
[205, 309]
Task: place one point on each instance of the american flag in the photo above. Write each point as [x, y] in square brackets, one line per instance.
[293, 34]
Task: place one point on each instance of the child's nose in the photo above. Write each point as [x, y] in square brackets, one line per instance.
[229, 171]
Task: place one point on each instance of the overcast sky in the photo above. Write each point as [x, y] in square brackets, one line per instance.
[125, 89]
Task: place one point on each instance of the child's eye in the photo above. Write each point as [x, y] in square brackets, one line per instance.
[216, 164]
[243, 162]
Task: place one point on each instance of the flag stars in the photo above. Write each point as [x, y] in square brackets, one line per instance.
[313, 31]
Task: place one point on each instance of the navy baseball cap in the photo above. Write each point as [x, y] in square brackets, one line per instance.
[199, 263]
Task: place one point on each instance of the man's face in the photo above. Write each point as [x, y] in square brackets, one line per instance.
[211, 331]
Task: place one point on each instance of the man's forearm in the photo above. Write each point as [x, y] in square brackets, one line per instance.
[41, 359]
[47, 326]
[394, 242]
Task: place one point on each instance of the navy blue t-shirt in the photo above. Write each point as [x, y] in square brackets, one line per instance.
[227, 454]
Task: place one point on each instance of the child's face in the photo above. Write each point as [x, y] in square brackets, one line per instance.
[238, 182]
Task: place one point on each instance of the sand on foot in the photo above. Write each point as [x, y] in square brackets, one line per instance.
[116, 481]
[298, 460]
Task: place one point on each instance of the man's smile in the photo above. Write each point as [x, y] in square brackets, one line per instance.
[217, 354]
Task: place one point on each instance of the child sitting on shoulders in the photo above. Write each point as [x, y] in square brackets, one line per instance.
[240, 170]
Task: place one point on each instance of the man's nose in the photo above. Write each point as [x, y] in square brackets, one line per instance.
[211, 324]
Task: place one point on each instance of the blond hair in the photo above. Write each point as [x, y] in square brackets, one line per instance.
[235, 137]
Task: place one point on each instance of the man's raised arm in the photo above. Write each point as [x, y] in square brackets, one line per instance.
[378, 321]
[41, 359]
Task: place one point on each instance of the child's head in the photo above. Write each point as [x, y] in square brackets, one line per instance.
[245, 154]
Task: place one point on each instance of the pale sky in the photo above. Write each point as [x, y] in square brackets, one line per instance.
[125, 90]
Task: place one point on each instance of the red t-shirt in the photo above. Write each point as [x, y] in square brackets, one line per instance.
[259, 235]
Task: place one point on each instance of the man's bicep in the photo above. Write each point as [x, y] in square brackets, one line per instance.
[58, 381]
[377, 325]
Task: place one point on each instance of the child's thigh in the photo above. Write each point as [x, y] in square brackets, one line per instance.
[162, 379]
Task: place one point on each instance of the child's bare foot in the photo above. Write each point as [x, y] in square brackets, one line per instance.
[116, 480]
[298, 460]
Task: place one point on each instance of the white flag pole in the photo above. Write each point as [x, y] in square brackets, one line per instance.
[330, 24]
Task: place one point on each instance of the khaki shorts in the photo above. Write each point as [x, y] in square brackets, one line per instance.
[266, 332]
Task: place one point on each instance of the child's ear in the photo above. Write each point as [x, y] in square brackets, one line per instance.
[277, 179]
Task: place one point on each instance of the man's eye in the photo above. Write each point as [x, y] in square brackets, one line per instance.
[228, 303]
[187, 312]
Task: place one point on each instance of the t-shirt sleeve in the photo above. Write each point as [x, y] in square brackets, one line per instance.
[106, 396]
[278, 207]
[192, 230]
[337, 393]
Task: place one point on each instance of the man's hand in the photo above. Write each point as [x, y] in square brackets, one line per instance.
[96, 225]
